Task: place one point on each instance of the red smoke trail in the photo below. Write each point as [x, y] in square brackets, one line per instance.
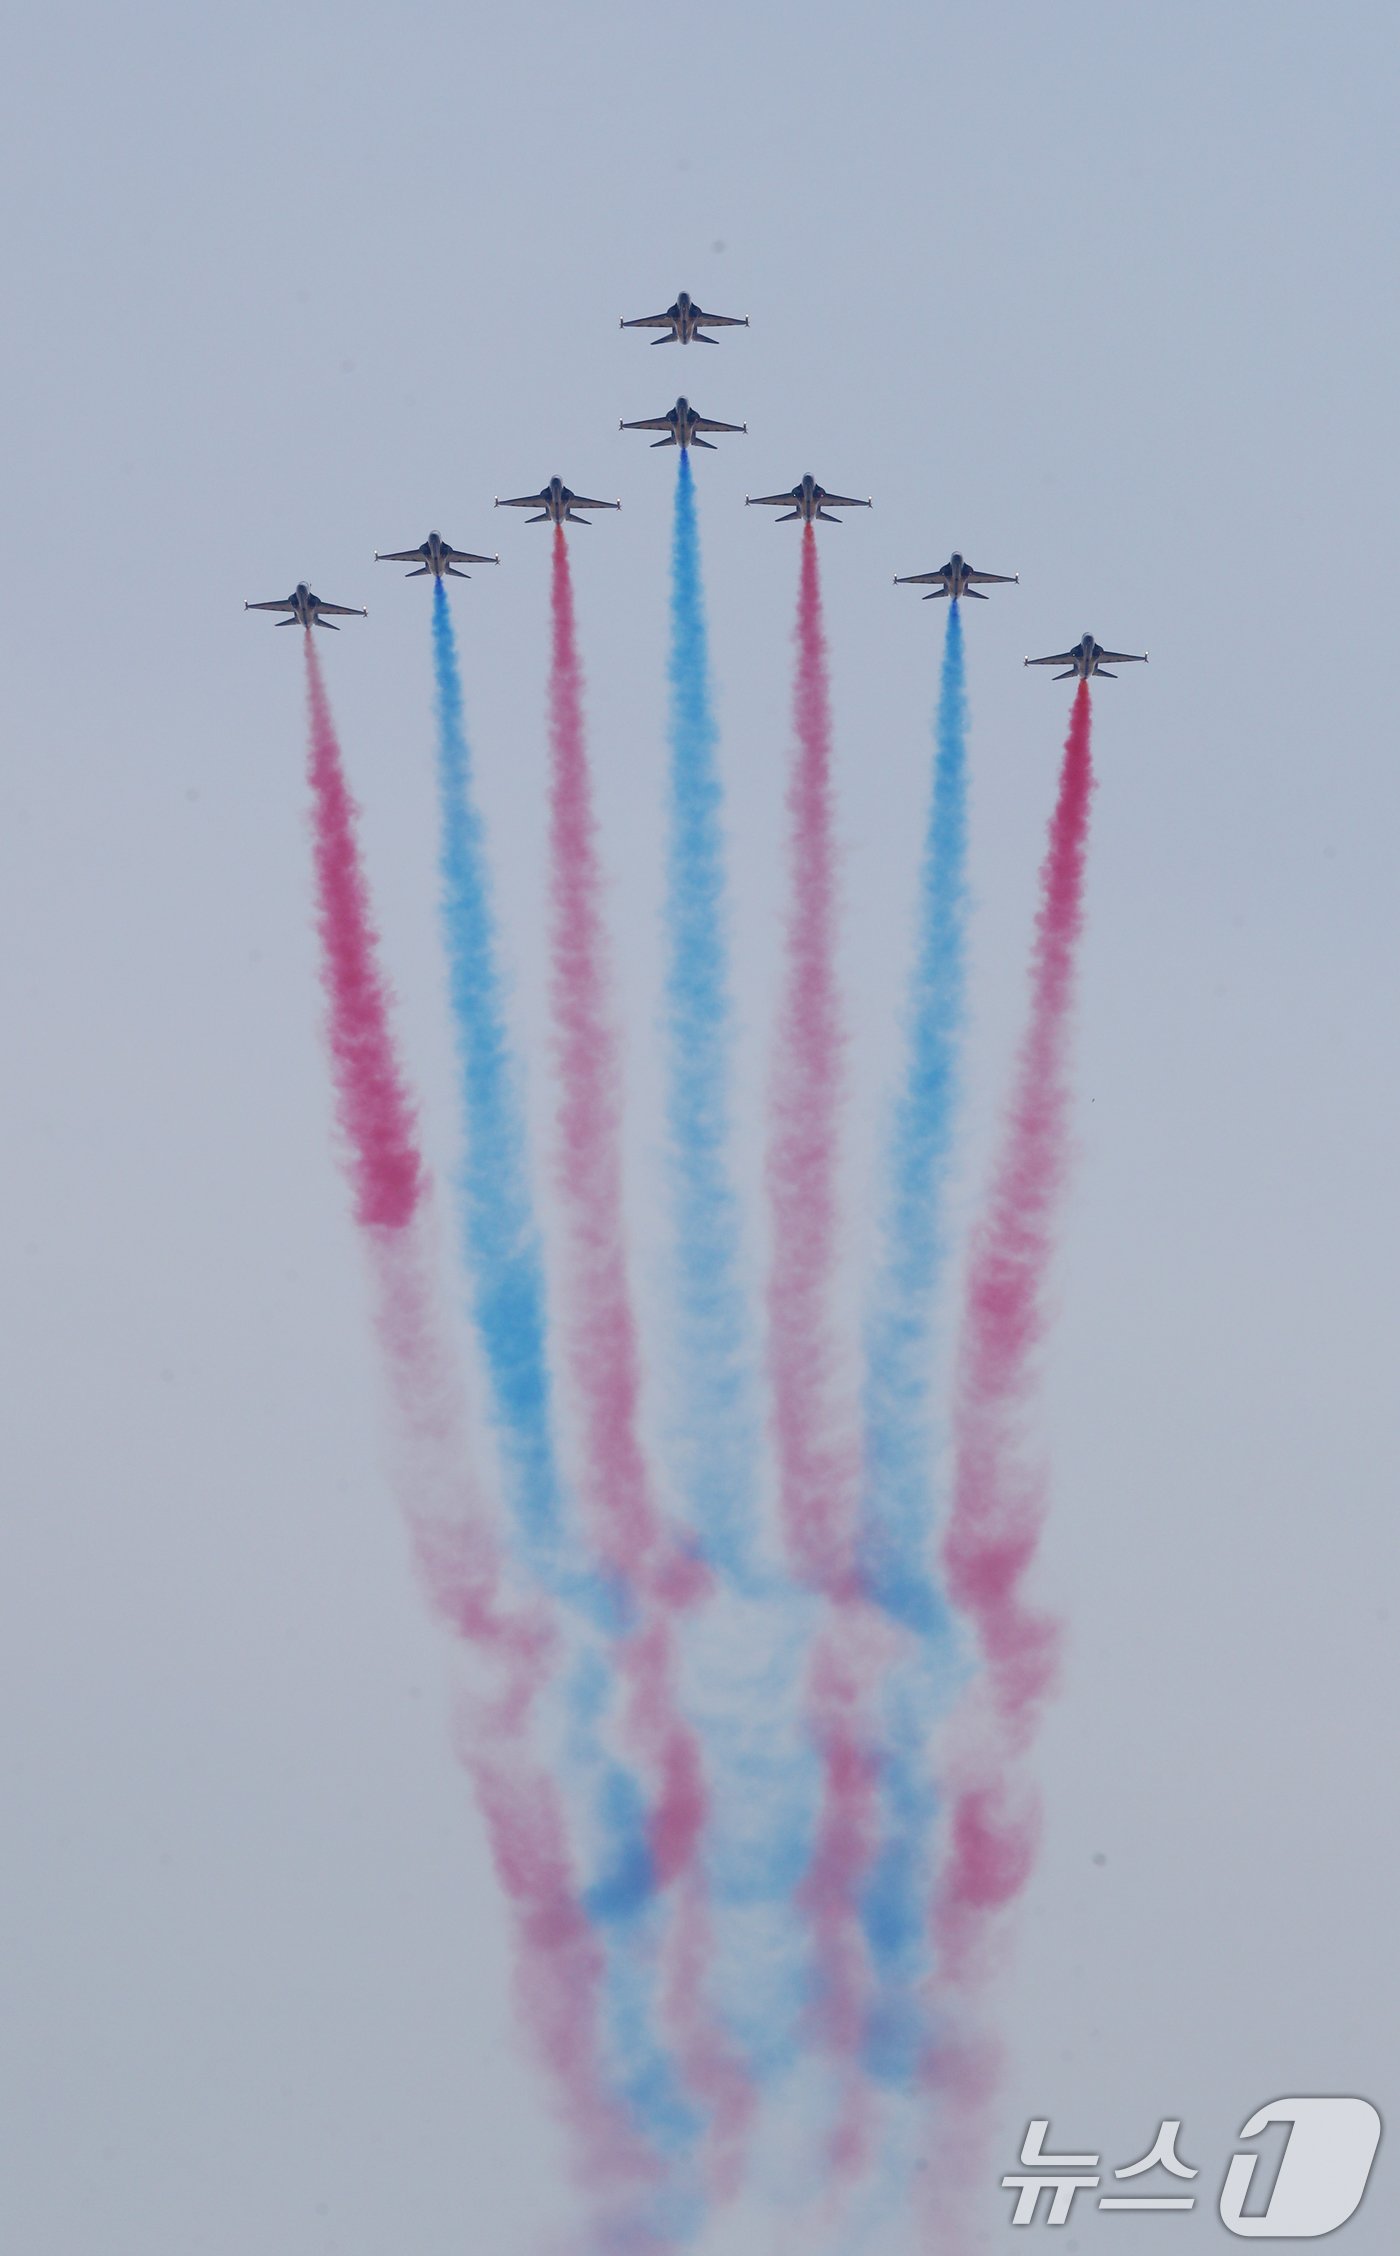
[604, 1354]
[816, 1472]
[998, 1505]
[816, 1446]
[998, 1502]
[561, 1969]
[844, 1666]
[375, 1115]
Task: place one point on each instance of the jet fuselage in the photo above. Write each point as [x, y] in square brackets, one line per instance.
[433, 557]
[810, 502]
[555, 504]
[303, 609]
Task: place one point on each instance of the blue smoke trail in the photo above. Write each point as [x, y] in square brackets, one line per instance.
[503, 1246]
[897, 1529]
[896, 1519]
[715, 1433]
[508, 1301]
[746, 1657]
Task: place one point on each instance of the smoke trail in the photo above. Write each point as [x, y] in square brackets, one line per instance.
[604, 1357]
[372, 1106]
[896, 1535]
[817, 1459]
[744, 1658]
[715, 1429]
[561, 1967]
[998, 1503]
[602, 1332]
[816, 1462]
[503, 1248]
[897, 1499]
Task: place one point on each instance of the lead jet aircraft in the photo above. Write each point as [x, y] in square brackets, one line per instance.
[434, 556]
[684, 320]
[956, 578]
[556, 504]
[1089, 657]
[811, 501]
[307, 610]
[681, 423]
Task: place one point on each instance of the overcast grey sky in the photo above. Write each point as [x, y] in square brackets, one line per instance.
[1103, 295]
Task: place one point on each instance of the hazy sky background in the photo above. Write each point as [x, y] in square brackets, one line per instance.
[1103, 295]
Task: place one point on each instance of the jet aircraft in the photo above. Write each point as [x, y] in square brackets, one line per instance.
[955, 578]
[556, 504]
[1089, 657]
[681, 423]
[434, 556]
[304, 609]
[684, 322]
[810, 501]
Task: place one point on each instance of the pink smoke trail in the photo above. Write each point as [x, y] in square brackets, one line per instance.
[816, 1470]
[816, 1445]
[561, 1965]
[998, 1503]
[604, 1357]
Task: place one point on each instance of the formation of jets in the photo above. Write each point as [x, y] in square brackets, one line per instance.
[682, 426]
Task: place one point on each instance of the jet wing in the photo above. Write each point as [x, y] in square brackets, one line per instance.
[1122, 657]
[771, 501]
[401, 555]
[842, 501]
[703, 423]
[286, 605]
[651, 321]
[465, 556]
[581, 501]
[994, 579]
[525, 501]
[920, 579]
[720, 320]
[653, 423]
[1057, 658]
[343, 610]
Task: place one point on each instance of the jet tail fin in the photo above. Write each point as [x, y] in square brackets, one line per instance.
[1104, 675]
[1068, 674]
[329, 623]
[937, 596]
[542, 519]
[827, 518]
[976, 594]
[787, 517]
[709, 444]
[288, 622]
[667, 441]
[452, 573]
